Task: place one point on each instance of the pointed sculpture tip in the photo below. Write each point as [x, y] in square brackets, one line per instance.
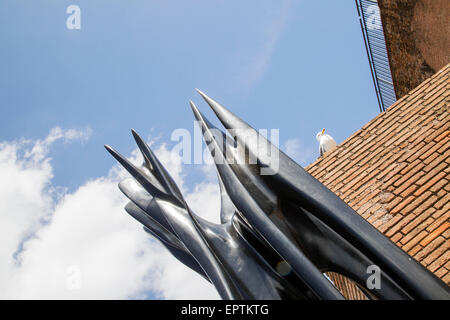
[214, 105]
[197, 114]
[204, 96]
[140, 142]
[113, 152]
[193, 107]
[135, 135]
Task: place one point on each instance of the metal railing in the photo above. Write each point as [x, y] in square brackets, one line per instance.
[372, 29]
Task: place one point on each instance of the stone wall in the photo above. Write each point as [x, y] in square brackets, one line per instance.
[416, 33]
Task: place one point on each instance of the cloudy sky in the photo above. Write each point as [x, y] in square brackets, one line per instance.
[297, 66]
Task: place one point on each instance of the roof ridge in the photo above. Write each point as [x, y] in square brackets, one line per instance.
[443, 73]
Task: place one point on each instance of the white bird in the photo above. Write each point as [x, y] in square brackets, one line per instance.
[326, 142]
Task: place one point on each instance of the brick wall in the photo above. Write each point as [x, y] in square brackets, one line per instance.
[395, 172]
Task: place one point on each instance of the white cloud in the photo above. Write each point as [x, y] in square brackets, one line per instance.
[204, 200]
[298, 152]
[40, 147]
[271, 24]
[83, 244]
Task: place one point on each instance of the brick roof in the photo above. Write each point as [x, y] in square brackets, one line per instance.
[395, 172]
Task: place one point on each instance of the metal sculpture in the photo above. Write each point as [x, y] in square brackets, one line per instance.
[281, 218]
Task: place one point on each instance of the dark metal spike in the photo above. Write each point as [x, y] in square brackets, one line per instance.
[183, 256]
[258, 218]
[140, 215]
[138, 175]
[228, 119]
[136, 193]
[158, 170]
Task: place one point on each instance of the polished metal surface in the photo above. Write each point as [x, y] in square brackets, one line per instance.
[273, 213]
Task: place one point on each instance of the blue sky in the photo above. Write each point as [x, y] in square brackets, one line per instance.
[297, 66]
[293, 65]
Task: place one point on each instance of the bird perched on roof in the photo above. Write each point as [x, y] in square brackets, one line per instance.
[326, 142]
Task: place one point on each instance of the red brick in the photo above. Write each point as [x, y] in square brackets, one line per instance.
[417, 219]
[439, 250]
[421, 203]
[396, 237]
[441, 202]
[429, 184]
[410, 244]
[439, 186]
[437, 223]
[437, 232]
[430, 248]
[439, 262]
[441, 272]
[403, 204]
[446, 278]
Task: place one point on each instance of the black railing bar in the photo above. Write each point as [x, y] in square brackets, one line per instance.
[378, 31]
[372, 73]
[372, 1]
[386, 87]
[371, 60]
[383, 68]
[384, 74]
[378, 43]
[383, 59]
[387, 106]
[388, 94]
[369, 44]
[366, 5]
[378, 36]
[390, 102]
[380, 55]
[357, 8]
[385, 81]
[380, 61]
[379, 49]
